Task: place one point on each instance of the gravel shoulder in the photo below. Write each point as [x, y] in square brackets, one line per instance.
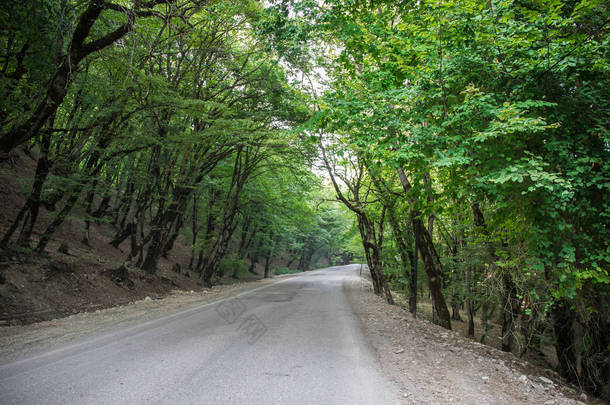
[18, 342]
[435, 366]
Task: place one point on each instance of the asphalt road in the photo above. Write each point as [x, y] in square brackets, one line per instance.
[296, 341]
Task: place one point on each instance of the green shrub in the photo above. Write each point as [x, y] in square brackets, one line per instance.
[233, 266]
[284, 270]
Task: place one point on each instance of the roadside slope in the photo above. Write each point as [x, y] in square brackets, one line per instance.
[435, 366]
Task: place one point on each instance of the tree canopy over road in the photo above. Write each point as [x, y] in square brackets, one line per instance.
[464, 140]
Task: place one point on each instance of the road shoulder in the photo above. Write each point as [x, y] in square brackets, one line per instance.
[432, 365]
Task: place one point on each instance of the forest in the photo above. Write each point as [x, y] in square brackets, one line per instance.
[459, 148]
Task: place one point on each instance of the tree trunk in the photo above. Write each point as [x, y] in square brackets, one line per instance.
[169, 245]
[565, 344]
[91, 171]
[510, 313]
[123, 234]
[372, 242]
[434, 271]
[194, 230]
[252, 255]
[469, 310]
[245, 226]
[226, 229]
[306, 255]
[153, 253]
[455, 311]
[267, 265]
[57, 221]
[432, 264]
[377, 268]
[58, 85]
[32, 205]
[404, 240]
[414, 270]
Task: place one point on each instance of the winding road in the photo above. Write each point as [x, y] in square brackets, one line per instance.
[296, 341]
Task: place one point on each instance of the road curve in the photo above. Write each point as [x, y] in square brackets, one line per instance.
[296, 341]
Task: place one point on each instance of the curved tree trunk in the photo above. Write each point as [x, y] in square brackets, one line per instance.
[434, 271]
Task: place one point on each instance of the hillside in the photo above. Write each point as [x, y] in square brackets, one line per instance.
[44, 286]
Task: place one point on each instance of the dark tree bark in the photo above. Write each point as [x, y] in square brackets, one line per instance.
[469, 309]
[58, 220]
[104, 204]
[102, 208]
[455, 311]
[372, 239]
[123, 234]
[194, 230]
[244, 236]
[268, 256]
[433, 268]
[413, 281]
[179, 222]
[267, 262]
[32, 205]
[241, 172]
[563, 323]
[77, 51]
[177, 201]
[92, 168]
[58, 86]
[305, 259]
[247, 160]
[124, 206]
[290, 261]
[253, 256]
[510, 304]
[432, 264]
[407, 250]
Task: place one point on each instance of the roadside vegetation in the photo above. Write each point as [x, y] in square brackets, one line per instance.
[470, 139]
[161, 119]
[466, 143]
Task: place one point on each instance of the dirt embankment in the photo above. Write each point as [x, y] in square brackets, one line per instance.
[437, 366]
[73, 276]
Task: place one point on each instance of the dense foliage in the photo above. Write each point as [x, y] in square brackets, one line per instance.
[162, 118]
[480, 130]
[469, 139]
